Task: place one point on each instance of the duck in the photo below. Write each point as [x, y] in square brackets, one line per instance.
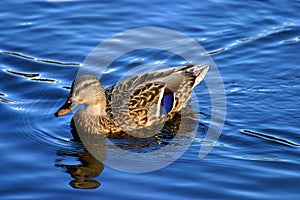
[143, 101]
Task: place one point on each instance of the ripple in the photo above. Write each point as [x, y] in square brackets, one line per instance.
[295, 40]
[137, 60]
[260, 159]
[45, 80]
[59, 0]
[26, 24]
[22, 74]
[270, 138]
[5, 100]
[32, 76]
[216, 51]
[38, 132]
[246, 39]
[38, 59]
[285, 27]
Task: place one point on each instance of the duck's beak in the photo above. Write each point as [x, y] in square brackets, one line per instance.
[66, 108]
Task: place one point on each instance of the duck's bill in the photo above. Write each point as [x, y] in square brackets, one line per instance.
[61, 112]
[66, 108]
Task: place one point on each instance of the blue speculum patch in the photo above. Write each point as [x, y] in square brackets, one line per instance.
[167, 103]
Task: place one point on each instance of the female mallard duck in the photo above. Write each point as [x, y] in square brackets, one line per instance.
[133, 104]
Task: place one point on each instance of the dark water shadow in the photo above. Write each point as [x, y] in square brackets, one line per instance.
[83, 174]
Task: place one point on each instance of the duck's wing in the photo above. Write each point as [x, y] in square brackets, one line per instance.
[145, 103]
[135, 108]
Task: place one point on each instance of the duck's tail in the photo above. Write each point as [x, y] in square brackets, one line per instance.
[196, 72]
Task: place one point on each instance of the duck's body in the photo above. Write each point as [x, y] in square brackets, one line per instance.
[135, 103]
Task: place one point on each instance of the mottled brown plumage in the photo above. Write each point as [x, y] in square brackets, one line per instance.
[133, 104]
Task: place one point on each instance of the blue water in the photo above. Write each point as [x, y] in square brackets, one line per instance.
[255, 45]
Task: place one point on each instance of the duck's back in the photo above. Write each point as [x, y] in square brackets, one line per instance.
[153, 97]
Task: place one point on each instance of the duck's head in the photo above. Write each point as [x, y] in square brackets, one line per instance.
[86, 90]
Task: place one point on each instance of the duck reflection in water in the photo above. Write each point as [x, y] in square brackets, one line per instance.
[89, 166]
[84, 174]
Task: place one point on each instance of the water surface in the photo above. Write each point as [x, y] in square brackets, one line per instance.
[255, 46]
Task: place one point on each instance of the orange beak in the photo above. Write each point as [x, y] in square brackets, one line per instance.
[66, 108]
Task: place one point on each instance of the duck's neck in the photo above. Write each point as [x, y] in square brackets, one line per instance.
[95, 109]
